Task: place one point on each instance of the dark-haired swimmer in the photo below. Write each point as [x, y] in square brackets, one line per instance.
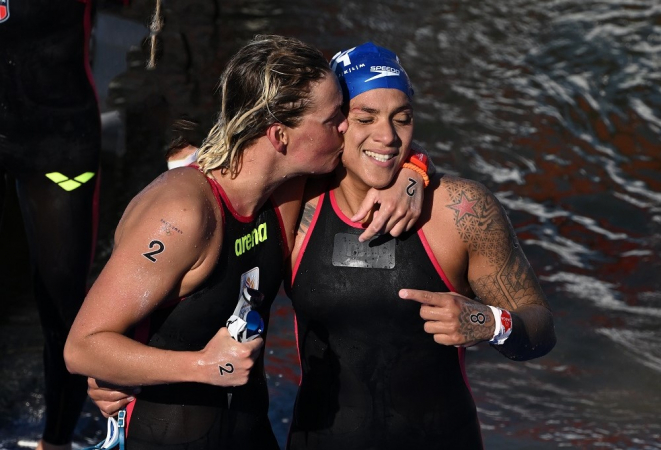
[382, 366]
[189, 244]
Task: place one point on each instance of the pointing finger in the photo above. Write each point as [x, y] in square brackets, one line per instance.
[424, 297]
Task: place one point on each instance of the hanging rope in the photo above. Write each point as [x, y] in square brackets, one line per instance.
[155, 28]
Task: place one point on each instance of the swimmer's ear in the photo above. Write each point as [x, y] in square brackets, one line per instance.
[277, 135]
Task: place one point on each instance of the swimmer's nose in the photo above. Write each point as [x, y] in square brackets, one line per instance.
[342, 127]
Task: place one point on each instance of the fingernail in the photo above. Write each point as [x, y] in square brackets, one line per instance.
[403, 293]
[130, 399]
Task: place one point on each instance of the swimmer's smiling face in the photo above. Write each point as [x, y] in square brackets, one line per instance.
[379, 135]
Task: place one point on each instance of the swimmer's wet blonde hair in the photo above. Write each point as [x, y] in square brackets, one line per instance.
[268, 81]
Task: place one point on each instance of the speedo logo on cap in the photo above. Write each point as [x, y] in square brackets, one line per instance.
[383, 71]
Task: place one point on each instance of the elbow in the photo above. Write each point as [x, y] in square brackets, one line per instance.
[541, 349]
[548, 341]
[552, 341]
[531, 352]
[72, 357]
[531, 345]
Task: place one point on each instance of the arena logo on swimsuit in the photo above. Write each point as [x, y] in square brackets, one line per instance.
[250, 240]
[4, 10]
[69, 184]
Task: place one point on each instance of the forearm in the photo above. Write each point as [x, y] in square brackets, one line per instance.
[533, 334]
[117, 359]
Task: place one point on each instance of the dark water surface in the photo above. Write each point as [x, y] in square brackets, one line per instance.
[555, 106]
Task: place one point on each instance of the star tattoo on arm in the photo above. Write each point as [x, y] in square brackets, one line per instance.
[463, 207]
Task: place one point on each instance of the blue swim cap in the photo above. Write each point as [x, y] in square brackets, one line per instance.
[367, 67]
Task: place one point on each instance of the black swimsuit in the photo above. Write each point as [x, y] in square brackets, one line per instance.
[50, 137]
[194, 416]
[371, 377]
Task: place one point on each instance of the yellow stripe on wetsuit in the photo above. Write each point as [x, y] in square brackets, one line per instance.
[67, 183]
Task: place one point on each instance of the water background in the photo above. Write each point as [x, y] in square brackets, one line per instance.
[555, 106]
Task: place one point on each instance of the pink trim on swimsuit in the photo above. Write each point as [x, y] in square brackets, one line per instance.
[219, 192]
[317, 211]
[285, 243]
[461, 351]
[433, 260]
[298, 353]
[129, 413]
[87, 29]
[237, 216]
[342, 216]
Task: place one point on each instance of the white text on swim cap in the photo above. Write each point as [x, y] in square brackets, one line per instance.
[383, 71]
[351, 69]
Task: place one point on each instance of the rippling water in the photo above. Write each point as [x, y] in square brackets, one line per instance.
[556, 107]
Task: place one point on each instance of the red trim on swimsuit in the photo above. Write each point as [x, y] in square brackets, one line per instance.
[313, 222]
[285, 243]
[87, 27]
[308, 233]
[342, 216]
[433, 260]
[129, 413]
[237, 216]
[461, 351]
[298, 353]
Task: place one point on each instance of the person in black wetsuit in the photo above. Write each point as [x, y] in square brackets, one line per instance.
[380, 371]
[50, 137]
[189, 244]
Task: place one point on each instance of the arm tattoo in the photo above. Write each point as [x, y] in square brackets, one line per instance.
[483, 225]
[480, 221]
[514, 285]
[305, 219]
[168, 228]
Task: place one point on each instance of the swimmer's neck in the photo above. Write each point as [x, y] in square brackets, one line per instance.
[257, 179]
[349, 191]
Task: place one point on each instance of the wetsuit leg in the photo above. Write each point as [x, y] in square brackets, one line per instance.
[58, 203]
[49, 141]
[60, 229]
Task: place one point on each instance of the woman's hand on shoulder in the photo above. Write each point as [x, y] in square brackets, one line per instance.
[399, 206]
